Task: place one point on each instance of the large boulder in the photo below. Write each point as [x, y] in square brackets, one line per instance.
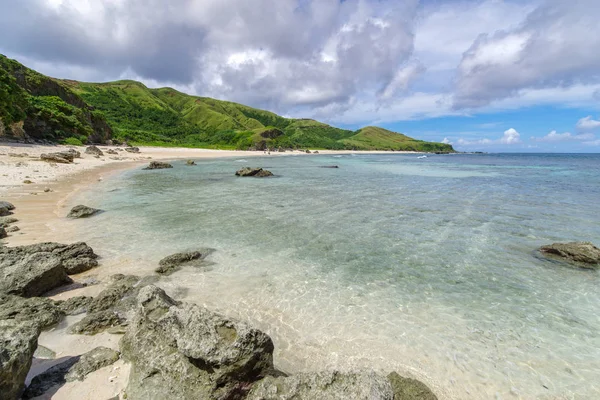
[158, 165]
[93, 150]
[40, 311]
[81, 211]
[324, 386]
[172, 263]
[17, 344]
[62, 157]
[184, 351]
[36, 269]
[6, 208]
[583, 254]
[75, 368]
[255, 172]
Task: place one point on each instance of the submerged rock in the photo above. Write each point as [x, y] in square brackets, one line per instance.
[584, 254]
[158, 165]
[75, 368]
[40, 311]
[409, 389]
[184, 351]
[190, 162]
[172, 263]
[329, 166]
[93, 150]
[324, 386]
[256, 172]
[17, 344]
[81, 211]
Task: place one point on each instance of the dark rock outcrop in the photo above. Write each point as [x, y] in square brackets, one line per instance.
[36, 269]
[81, 211]
[409, 389]
[158, 165]
[185, 351]
[111, 151]
[39, 311]
[255, 172]
[324, 386]
[3, 233]
[6, 208]
[583, 254]
[17, 345]
[172, 263]
[75, 368]
[93, 150]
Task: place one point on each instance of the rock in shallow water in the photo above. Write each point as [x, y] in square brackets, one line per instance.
[158, 165]
[172, 263]
[17, 344]
[584, 254]
[185, 351]
[81, 211]
[255, 172]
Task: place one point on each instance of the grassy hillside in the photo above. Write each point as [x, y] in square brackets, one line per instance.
[66, 110]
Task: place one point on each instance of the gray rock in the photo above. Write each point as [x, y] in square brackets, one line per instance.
[17, 345]
[40, 311]
[44, 353]
[172, 263]
[190, 162]
[62, 157]
[584, 254]
[96, 322]
[111, 151]
[6, 221]
[93, 150]
[255, 172]
[3, 233]
[185, 351]
[132, 149]
[409, 389]
[158, 165]
[77, 257]
[73, 369]
[324, 386]
[81, 211]
[6, 207]
[27, 271]
[75, 305]
[119, 287]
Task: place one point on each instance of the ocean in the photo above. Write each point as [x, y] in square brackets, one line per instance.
[426, 266]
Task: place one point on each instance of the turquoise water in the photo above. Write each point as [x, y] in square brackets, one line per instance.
[426, 266]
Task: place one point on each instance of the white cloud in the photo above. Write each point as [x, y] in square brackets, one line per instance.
[587, 124]
[592, 143]
[446, 141]
[510, 137]
[563, 137]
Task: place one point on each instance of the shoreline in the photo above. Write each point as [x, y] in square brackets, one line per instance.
[41, 219]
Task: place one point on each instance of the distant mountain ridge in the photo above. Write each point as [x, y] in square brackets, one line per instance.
[35, 106]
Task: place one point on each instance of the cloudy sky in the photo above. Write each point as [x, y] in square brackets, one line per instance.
[491, 75]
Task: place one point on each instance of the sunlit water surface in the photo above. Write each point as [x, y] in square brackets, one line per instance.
[425, 266]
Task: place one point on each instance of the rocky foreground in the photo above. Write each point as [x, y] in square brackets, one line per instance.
[176, 350]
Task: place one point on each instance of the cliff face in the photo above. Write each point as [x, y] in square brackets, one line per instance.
[36, 107]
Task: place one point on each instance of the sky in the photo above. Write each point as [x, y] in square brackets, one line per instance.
[483, 75]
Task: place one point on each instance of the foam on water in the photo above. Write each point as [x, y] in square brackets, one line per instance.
[387, 262]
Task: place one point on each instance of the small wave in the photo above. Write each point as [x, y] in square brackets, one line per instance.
[337, 156]
[241, 160]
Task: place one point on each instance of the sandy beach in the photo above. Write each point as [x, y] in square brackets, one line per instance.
[40, 209]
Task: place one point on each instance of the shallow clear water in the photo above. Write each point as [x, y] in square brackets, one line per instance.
[425, 266]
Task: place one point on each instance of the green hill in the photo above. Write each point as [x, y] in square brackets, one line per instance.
[43, 108]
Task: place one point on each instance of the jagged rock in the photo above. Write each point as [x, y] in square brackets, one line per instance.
[81, 211]
[172, 263]
[158, 165]
[256, 172]
[75, 305]
[184, 351]
[75, 368]
[63, 157]
[96, 322]
[409, 389]
[132, 149]
[6, 221]
[36, 269]
[3, 233]
[324, 386]
[73, 152]
[44, 353]
[120, 286]
[190, 162]
[40, 311]
[30, 271]
[584, 254]
[93, 150]
[17, 344]
[6, 208]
